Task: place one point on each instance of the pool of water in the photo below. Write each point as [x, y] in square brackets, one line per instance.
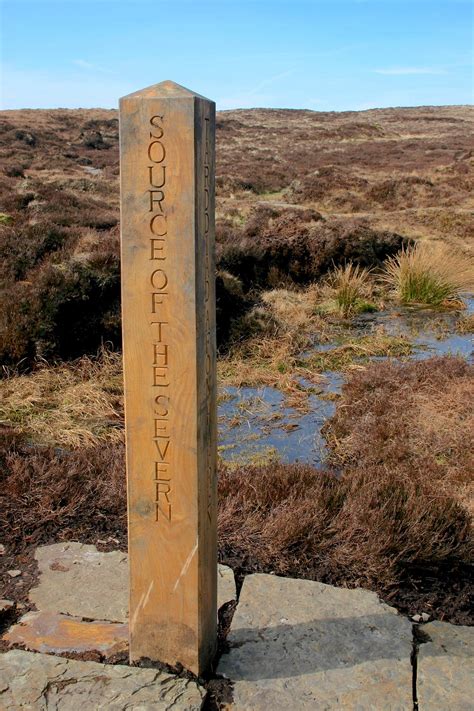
[255, 423]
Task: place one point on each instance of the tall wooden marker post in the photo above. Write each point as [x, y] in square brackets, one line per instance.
[167, 136]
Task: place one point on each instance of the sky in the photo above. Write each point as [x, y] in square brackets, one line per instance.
[325, 55]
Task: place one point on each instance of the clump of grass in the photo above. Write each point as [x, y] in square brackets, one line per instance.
[351, 286]
[465, 325]
[269, 355]
[71, 405]
[428, 273]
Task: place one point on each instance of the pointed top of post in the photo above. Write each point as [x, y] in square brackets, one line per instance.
[164, 90]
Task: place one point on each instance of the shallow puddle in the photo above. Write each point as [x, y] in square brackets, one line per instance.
[258, 423]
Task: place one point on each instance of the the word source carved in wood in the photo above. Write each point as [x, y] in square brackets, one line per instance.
[167, 136]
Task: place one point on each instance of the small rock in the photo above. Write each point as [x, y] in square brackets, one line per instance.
[424, 617]
[225, 585]
[14, 573]
[6, 605]
[2, 549]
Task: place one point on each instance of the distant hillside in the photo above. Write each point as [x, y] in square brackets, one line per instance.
[296, 190]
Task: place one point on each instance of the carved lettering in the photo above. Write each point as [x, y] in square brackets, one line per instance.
[156, 155]
[155, 225]
[160, 353]
[157, 249]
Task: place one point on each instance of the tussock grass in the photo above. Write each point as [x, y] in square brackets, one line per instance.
[465, 324]
[351, 287]
[286, 326]
[430, 273]
[71, 405]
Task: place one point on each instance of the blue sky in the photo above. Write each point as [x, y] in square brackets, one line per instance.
[316, 54]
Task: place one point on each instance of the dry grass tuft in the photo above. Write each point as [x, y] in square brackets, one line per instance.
[430, 273]
[79, 404]
[356, 352]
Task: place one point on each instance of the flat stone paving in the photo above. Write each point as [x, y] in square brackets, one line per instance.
[77, 581]
[294, 644]
[42, 682]
[445, 678]
[304, 645]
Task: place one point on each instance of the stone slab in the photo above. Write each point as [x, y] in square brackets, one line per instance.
[60, 634]
[78, 580]
[445, 678]
[305, 645]
[41, 682]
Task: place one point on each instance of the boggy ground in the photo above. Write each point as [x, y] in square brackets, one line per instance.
[391, 511]
[297, 193]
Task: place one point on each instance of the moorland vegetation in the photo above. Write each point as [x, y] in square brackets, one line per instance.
[320, 217]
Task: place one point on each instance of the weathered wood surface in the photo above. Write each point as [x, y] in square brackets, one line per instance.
[168, 308]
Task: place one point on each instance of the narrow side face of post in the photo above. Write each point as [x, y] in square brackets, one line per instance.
[168, 310]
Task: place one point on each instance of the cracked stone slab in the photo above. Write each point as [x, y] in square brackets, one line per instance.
[53, 633]
[78, 580]
[305, 645]
[41, 682]
[446, 668]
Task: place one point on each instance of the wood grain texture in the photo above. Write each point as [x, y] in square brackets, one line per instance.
[168, 306]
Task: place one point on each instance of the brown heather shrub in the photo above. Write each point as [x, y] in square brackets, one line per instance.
[412, 419]
[360, 528]
[278, 247]
[366, 527]
[324, 184]
[50, 494]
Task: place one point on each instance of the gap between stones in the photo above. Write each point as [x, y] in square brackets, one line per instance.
[419, 637]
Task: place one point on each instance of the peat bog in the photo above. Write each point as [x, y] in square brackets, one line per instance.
[344, 431]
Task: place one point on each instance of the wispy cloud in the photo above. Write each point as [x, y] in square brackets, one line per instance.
[89, 66]
[406, 71]
[256, 95]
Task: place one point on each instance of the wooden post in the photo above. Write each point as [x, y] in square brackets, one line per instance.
[168, 305]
